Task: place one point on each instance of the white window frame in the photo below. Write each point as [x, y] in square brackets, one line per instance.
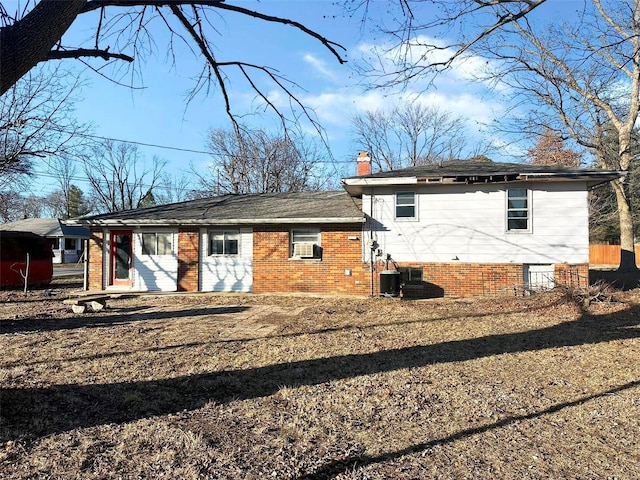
[509, 210]
[156, 244]
[414, 205]
[226, 237]
[307, 237]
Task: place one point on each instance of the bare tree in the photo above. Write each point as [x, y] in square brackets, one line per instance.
[581, 77]
[409, 135]
[31, 207]
[64, 170]
[256, 161]
[415, 31]
[172, 189]
[124, 30]
[9, 205]
[575, 75]
[54, 205]
[119, 178]
[36, 121]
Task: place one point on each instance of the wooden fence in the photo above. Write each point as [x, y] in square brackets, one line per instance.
[607, 255]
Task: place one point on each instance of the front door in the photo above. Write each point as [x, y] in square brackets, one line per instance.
[121, 258]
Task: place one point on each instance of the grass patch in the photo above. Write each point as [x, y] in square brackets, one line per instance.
[248, 387]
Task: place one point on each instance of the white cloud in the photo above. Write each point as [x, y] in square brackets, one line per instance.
[336, 97]
[388, 57]
[320, 66]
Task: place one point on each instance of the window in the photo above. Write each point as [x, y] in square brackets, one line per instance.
[223, 242]
[405, 205]
[156, 243]
[70, 243]
[306, 244]
[517, 209]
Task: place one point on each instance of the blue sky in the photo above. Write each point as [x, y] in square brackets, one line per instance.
[158, 114]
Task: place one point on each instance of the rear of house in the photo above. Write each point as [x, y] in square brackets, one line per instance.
[471, 228]
[286, 242]
[461, 228]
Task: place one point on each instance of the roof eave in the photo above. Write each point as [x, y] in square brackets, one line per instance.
[206, 222]
[356, 186]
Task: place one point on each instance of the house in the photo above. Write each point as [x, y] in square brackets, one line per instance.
[280, 242]
[66, 239]
[459, 228]
[475, 227]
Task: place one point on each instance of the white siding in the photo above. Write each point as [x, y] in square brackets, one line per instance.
[467, 223]
[155, 272]
[227, 273]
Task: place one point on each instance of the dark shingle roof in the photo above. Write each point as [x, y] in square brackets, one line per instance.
[267, 208]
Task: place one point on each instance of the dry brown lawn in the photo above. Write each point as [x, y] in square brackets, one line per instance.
[248, 387]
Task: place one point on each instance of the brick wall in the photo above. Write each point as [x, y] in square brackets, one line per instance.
[96, 248]
[454, 279]
[274, 271]
[188, 260]
[572, 275]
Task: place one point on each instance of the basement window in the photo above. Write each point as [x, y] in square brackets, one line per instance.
[411, 275]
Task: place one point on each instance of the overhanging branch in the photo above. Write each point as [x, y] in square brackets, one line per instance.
[331, 46]
[86, 52]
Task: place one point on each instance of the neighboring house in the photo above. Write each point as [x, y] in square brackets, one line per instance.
[457, 229]
[66, 239]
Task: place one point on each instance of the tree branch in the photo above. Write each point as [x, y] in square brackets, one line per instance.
[86, 52]
[331, 46]
[30, 39]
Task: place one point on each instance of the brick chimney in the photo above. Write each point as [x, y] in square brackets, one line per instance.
[364, 164]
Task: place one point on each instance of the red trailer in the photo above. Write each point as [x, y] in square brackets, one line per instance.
[14, 247]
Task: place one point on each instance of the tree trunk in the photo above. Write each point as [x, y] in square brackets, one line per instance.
[29, 40]
[627, 244]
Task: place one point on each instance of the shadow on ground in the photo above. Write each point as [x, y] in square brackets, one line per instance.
[35, 412]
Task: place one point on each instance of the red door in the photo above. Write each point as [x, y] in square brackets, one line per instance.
[121, 258]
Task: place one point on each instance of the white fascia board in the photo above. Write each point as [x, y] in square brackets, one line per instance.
[238, 221]
[377, 182]
[356, 186]
[605, 174]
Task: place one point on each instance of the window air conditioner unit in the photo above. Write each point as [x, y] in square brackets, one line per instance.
[303, 250]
